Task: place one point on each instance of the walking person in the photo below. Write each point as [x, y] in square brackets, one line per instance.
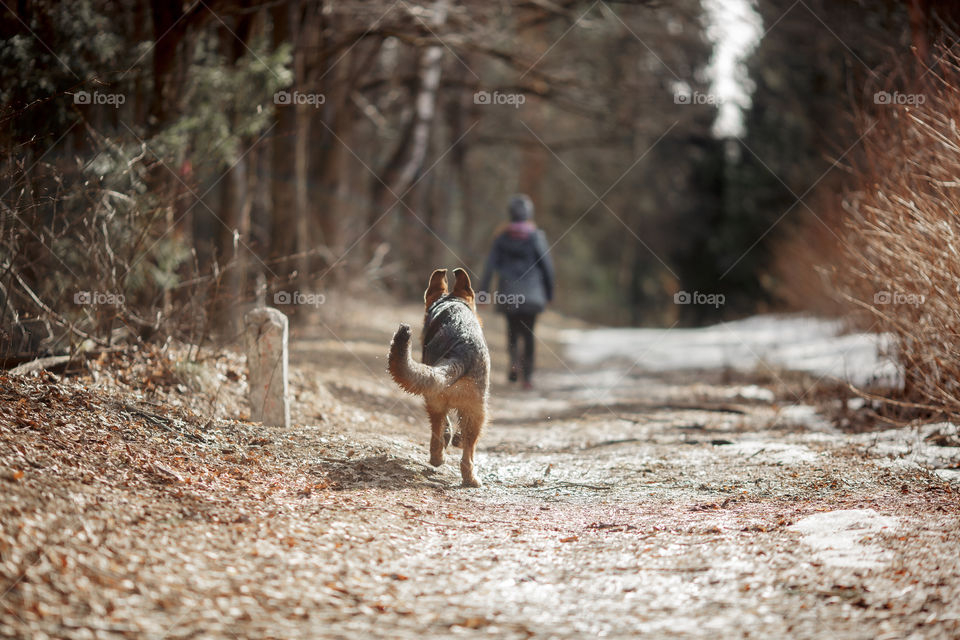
[520, 258]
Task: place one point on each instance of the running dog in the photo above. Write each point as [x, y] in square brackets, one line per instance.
[455, 373]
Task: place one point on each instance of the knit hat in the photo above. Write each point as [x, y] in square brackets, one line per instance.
[520, 207]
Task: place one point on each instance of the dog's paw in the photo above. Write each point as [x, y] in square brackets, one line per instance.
[472, 482]
[437, 461]
[457, 440]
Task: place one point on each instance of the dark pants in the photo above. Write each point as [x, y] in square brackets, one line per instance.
[520, 327]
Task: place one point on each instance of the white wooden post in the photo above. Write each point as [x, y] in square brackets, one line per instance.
[265, 335]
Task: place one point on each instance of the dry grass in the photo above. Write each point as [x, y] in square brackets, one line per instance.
[900, 267]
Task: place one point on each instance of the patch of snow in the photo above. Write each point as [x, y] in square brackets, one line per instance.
[896, 463]
[950, 475]
[804, 415]
[837, 537]
[751, 392]
[800, 343]
[855, 404]
[910, 447]
[773, 451]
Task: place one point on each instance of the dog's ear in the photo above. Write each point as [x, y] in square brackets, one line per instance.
[462, 288]
[436, 288]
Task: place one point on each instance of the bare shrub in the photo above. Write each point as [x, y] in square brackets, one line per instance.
[901, 260]
[90, 255]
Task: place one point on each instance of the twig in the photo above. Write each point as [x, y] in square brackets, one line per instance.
[60, 320]
[39, 364]
[576, 484]
[607, 443]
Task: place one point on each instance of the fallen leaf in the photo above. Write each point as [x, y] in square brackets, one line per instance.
[472, 623]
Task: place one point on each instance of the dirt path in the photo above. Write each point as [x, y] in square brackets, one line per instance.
[615, 503]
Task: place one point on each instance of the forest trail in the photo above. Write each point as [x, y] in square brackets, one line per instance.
[616, 502]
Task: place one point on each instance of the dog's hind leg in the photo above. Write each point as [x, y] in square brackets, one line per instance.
[456, 440]
[471, 424]
[439, 434]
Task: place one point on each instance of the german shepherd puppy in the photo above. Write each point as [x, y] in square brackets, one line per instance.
[455, 373]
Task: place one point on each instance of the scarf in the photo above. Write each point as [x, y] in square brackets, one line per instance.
[521, 230]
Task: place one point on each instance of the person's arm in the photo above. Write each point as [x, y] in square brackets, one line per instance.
[545, 263]
[491, 266]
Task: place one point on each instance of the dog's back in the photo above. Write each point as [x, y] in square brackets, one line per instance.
[454, 355]
[452, 333]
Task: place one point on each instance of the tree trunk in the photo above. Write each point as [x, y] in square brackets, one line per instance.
[401, 170]
[233, 228]
[329, 154]
[533, 157]
[282, 199]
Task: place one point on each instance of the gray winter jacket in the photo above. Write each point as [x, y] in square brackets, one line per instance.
[521, 258]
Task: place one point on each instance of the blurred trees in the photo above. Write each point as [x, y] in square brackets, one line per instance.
[812, 70]
[178, 154]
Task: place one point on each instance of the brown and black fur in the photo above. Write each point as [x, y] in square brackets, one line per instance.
[455, 372]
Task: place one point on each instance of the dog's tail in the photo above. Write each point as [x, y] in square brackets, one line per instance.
[413, 376]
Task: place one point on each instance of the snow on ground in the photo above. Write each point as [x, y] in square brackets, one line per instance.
[799, 343]
[805, 415]
[917, 446]
[751, 392]
[774, 452]
[838, 538]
